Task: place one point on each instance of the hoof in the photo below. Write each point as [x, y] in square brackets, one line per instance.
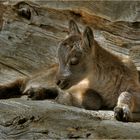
[122, 114]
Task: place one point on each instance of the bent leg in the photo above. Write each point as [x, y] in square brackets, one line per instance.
[92, 100]
[64, 98]
[125, 107]
[12, 89]
[88, 99]
[41, 93]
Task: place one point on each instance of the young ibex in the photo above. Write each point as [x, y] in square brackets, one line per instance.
[88, 76]
[96, 78]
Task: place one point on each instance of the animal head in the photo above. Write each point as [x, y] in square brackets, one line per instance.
[75, 56]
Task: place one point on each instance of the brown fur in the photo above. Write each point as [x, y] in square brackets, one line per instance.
[41, 85]
[12, 89]
[89, 76]
[114, 78]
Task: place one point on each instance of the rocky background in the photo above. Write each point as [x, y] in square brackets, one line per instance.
[29, 35]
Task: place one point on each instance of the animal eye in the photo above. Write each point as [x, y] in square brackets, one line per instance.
[74, 61]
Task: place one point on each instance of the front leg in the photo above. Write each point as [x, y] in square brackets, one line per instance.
[91, 100]
[85, 98]
[12, 89]
[125, 107]
[41, 93]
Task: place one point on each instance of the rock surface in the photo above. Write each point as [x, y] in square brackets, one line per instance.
[20, 119]
[29, 35]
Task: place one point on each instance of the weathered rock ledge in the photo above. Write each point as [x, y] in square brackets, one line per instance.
[21, 119]
[28, 43]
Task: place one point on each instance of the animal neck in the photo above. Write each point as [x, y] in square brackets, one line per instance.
[103, 57]
[103, 61]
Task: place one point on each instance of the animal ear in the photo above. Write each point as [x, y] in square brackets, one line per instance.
[88, 37]
[73, 27]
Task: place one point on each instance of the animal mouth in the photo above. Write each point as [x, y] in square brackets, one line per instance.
[64, 85]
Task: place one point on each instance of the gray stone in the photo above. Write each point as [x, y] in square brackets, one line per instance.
[28, 43]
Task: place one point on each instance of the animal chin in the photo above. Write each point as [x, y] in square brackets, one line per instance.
[65, 86]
